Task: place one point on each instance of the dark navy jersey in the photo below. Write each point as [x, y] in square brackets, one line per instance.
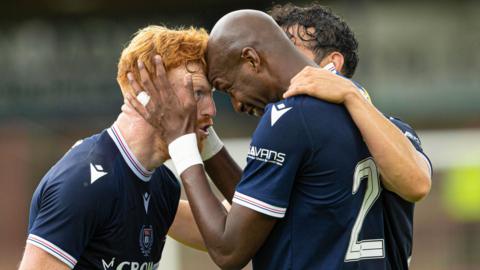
[309, 167]
[99, 208]
[399, 212]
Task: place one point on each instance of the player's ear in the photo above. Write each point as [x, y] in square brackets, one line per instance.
[251, 57]
[334, 57]
[337, 59]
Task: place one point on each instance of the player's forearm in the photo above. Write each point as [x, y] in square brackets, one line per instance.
[184, 228]
[224, 172]
[211, 217]
[403, 170]
[208, 211]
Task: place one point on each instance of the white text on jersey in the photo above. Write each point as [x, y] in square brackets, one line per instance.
[266, 155]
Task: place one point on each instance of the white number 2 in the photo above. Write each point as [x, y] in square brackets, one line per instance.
[368, 248]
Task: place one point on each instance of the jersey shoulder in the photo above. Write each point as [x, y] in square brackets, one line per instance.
[301, 123]
[291, 110]
[406, 129]
[281, 122]
[84, 173]
[412, 136]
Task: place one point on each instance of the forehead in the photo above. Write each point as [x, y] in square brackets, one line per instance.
[197, 70]
[199, 74]
[216, 70]
[200, 79]
[217, 61]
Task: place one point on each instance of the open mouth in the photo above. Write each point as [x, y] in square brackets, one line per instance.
[203, 130]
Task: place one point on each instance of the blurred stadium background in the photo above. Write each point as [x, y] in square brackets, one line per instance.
[420, 61]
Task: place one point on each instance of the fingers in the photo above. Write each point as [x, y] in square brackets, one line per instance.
[188, 83]
[187, 91]
[290, 92]
[161, 81]
[294, 90]
[300, 75]
[310, 73]
[159, 67]
[145, 80]
[132, 101]
[134, 84]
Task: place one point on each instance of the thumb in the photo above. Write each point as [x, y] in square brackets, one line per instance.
[187, 82]
[186, 93]
[292, 90]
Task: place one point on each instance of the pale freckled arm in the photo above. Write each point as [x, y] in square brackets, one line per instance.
[35, 258]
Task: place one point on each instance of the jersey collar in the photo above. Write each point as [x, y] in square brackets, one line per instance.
[331, 67]
[128, 156]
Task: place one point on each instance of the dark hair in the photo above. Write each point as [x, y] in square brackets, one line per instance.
[331, 32]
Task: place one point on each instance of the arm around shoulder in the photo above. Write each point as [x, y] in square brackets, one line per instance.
[404, 169]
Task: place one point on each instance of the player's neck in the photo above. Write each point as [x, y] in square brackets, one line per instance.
[141, 140]
[296, 63]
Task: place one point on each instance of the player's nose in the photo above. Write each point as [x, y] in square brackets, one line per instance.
[211, 109]
[208, 108]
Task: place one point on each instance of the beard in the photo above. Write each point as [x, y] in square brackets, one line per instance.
[163, 147]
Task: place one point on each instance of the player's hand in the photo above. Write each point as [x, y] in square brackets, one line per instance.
[171, 111]
[320, 83]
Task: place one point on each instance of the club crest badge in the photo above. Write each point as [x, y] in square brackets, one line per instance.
[146, 239]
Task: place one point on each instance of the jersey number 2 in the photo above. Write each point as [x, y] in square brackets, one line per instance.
[368, 248]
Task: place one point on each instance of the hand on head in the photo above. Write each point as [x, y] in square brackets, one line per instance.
[172, 112]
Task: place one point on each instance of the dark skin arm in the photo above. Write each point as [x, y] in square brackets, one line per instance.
[224, 172]
[231, 238]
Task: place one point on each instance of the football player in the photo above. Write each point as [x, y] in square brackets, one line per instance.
[110, 201]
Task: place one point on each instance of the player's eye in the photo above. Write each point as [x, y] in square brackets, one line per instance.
[198, 93]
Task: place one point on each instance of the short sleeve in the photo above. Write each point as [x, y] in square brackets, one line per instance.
[278, 147]
[64, 218]
[412, 136]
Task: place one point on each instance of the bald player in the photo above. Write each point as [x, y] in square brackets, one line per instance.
[302, 202]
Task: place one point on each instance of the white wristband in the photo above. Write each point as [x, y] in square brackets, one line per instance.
[184, 152]
[212, 145]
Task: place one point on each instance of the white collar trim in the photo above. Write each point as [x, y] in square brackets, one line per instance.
[128, 156]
